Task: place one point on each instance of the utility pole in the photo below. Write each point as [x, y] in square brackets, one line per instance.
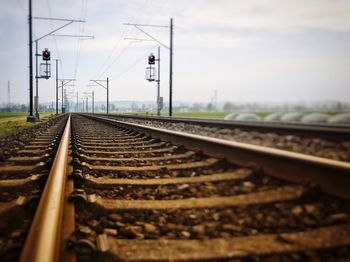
[30, 117]
[63, 83]
[8, 97]
[171, 70]
[170, 48]
[62, 108]
[87, 104]
[77, 107]
[93, 102]
[56, 86]
[158, 84]
[105, 87]
[36, 99]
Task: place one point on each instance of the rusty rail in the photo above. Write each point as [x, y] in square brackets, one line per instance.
[44, 238]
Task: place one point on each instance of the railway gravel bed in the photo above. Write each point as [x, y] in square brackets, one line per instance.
[142, 199]
[327, 148]
[26, 158]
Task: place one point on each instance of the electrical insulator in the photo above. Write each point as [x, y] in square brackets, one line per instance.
[151, 59]
[46, 55]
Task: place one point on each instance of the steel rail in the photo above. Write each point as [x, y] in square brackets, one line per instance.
[335, 131]
[44, 237]
[331, 175]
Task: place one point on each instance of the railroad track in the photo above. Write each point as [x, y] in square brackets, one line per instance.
[330, 141]
[22, 177]
[336, 132]
[137, 193]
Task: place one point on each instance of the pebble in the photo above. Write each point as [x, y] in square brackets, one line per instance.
[199, 229]
[149, 228]
[248, 184]
[183, 186]
[85, 230]
[340, 217]
[16, 233]
[93, 223]
[297, 210]
[111, 231]
[216, 216]
[115, 217]
[310, 208]
[231, 227]
[185, 234]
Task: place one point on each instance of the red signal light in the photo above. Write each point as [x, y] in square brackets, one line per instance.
[46, 55]
[151, 59]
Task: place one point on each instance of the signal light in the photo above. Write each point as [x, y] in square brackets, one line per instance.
[151, 59]
[46, 55]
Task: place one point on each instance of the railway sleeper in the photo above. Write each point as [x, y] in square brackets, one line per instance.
[218, 249]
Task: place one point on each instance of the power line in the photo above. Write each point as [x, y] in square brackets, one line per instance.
[130, 67]
[55, 41]
[81, 30]
[22, 7]
[99, 74]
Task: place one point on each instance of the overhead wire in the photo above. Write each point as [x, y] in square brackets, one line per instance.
[55, 40]
[81, 30]
[142, 57]
[129, 68]
[21, 6]
[102, 68]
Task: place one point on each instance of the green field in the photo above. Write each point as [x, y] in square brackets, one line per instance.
[12, 122]
[12, 114]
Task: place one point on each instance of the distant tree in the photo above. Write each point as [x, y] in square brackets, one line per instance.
[228, 107]
[197, 107]
[210, 107]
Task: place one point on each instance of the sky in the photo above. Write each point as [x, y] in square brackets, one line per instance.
[245, 51]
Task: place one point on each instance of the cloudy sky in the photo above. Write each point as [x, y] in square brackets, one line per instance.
[254, 50]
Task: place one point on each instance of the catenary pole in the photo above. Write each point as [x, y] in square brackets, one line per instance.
[56, 86]
[158, 84]
[171, 70]
[36, 100]
[107, 96]
[30, 118]
[62, 99]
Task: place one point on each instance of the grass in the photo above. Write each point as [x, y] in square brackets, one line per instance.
[12, 114]
[12, 122]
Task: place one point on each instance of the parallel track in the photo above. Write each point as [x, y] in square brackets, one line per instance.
[332, 131]
[144, 194]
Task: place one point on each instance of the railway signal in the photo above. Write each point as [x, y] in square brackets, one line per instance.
[151, 76]
[151, 59]
[46, 55]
